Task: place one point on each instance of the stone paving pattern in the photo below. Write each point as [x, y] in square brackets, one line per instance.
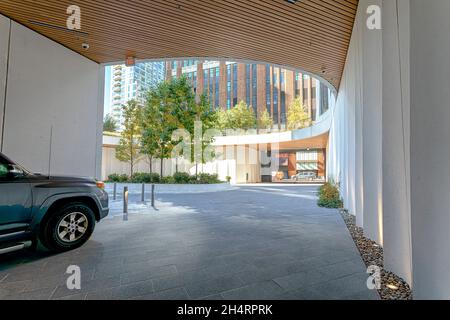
[254, 242]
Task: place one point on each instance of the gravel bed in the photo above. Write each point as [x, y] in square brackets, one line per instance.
[372, 254]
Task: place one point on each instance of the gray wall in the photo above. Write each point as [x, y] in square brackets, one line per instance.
[396, 133]
[430, 147]
[354, 155]
[49, 86]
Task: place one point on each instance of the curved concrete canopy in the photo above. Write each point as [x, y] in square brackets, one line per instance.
[311, 35]
[315, 136]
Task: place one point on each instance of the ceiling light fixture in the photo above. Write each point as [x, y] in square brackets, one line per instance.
[292, 1]
[392, 287]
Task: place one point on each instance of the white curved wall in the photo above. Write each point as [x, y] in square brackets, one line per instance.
[430, 148]
[365, 154]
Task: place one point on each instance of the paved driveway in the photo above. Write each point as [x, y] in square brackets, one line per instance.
[255, 242]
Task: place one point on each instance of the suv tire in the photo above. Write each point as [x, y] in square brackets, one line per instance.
[68, 228]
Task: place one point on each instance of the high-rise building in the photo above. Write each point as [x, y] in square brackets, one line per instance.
[128, 83]
[264, 87]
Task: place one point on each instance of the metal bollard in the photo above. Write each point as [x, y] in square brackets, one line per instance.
[143, 193]
[125, 203]
[153, 195]
[115, 191]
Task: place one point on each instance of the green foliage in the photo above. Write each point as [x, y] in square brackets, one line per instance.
[172, 105]
[177, 178]
[128, 148]
[118, 178]
[265, 121]
[329, 196]
[144, 177]
[297, 116]
[239, 117]
[222, 119]
[228, 178]
[158, 122]
[182, 177]
[110, 123]
[168, 180]
[206, 178]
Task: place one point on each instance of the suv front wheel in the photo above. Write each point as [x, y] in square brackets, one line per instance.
[69, 227]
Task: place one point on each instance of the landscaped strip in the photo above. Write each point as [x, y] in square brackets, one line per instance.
[392, 286]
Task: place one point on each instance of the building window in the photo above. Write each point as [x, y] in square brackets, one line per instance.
[268, 90]
[283, 96]
[275, 97]
[216, 92]
[297, 84]
[211, 88]
[255, 88]
[195, 81]
[206, 82]
[235, 84]
[228, 86]
[247, 83]
[324, 98]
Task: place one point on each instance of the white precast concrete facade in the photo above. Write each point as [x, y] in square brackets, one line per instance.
[396, 145]
[430, 147]
[51, 110]
[396, 84]
[369, 147]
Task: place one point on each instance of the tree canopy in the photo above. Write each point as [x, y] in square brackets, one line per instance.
[110, 123]
[128, 149]
[297, 116]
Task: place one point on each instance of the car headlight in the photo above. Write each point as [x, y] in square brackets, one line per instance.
[100, 184]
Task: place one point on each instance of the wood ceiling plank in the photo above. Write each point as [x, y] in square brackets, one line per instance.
[310, 35]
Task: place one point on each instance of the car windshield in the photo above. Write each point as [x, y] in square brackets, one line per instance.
[7, 167]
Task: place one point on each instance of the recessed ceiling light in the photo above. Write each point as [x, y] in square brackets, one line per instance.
[292, 1]
[392, 287]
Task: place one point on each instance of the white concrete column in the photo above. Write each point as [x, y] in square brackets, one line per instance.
[100, 114]
[395, 143]
[371, 121]
[430, 148]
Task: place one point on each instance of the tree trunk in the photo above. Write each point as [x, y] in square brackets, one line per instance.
[162, 164]
[131, 169]
[196, 170]
[176, 165]
[150, 159]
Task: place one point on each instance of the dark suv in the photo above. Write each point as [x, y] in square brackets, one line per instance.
[59, 211]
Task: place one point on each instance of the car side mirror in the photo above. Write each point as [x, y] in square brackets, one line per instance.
[15, 172]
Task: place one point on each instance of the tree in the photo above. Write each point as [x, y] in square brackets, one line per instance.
[239, 117]
[265, 121]
[170, 106]
[128, 148]
[297, 116]
[222, 119]
[158, 122]
[109, 123]
[200, 114]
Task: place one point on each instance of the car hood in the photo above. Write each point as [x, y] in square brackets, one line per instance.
[61, 178]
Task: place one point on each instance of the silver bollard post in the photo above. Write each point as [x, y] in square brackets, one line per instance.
[143, 193]
[125, 203]
[115, 191]
[153, 195]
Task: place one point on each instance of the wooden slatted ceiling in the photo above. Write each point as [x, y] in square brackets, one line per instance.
[312, 35]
